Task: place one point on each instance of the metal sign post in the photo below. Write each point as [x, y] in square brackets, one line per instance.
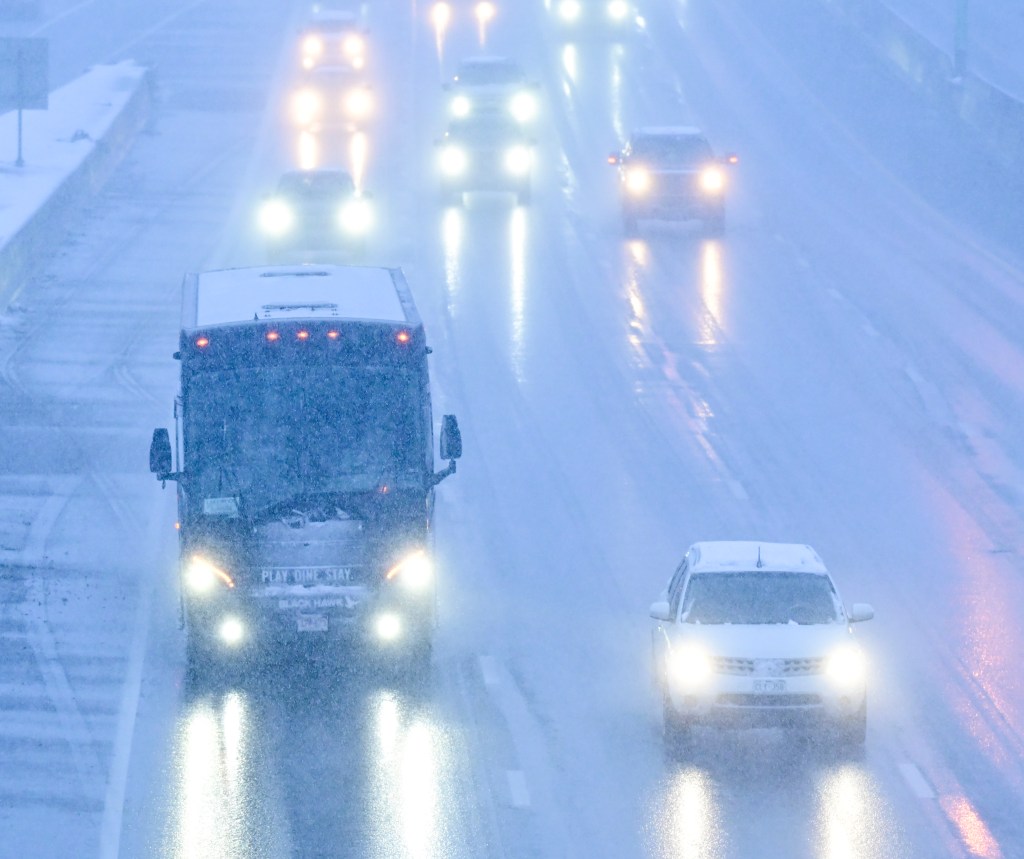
[24, 79]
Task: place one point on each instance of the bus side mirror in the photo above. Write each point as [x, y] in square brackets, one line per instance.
[160, 462]
[451, 438]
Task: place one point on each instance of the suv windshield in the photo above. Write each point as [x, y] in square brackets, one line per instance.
[686, 150]
[759, 597]
[276, 432]
[316, 184]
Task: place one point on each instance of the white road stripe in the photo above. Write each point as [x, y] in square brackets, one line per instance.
[488, 670]
[517, 789]
[918, 783]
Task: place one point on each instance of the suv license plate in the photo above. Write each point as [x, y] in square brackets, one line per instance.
[312, 623]
[771, 686]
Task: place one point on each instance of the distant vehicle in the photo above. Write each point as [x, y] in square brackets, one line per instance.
[333, 37]
[312, 212]
[671, 174]
[755, 634]
[491, 88]
[614, 18]
[306, 473]
[493, 155]
[331, 99]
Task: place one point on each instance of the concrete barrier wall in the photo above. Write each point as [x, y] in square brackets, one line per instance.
[997, 116]
[27, 249]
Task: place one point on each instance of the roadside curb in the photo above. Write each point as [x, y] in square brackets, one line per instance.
[26, 249]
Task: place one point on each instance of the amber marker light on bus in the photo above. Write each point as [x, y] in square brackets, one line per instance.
[403, 337]
[333, 335]
[302, 335]
[202, 342]
[272, 336]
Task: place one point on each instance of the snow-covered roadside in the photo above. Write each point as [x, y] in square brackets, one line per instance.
[996, 114]
[69, 152]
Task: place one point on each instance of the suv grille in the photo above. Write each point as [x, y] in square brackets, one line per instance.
[748, 700]
[768, 667]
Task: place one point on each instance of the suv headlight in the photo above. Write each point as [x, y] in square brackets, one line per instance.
[202, 576]
[414, 572]
[517, 160]
[638, 180]
[712, 180]
[523, 106]
[312, 47]
[689, 666]
[461, 106]
[358, 103]
[356, 217]
[453, 161]
[846, 666]
[276, 217]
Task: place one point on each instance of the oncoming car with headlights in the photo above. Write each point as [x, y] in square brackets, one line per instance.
[313, 212]
[485, 156]
[491, 88]
[333, 37]
[329, 99]
[755, 635]
[304, 440]
[617, 18]
[671, 173]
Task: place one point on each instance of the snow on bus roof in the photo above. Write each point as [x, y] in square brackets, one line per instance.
[303, 291]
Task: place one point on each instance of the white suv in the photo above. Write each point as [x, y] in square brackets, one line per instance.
[754, 634]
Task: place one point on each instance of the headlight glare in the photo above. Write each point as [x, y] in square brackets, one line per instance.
[638, 180]
[353, 47]
[356, 217]
[201, 576]
[388, 626]
[847, 666]
[453, 161]
[517, 160]
[523, 106]
[307, 106]
[312, 47]
[569, 10]
[618, 10]
[276, 217]
[231, 630]
[414, 572]
[712, 180]
[690, 665]
[461, 106]
[358, 103]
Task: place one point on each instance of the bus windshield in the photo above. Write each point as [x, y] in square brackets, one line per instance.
[273, 433]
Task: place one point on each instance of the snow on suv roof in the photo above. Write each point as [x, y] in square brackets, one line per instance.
[722, 556]
[308, 291]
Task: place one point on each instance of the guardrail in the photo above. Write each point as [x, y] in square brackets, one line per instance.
[994, 113]
[124, 112]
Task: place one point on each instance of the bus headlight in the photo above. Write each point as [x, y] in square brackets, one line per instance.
[414, 572]
[388, 626]
[689, 666]
[523, 106]
[231, 630]
[312, 49]
[307, 106]
[453, 161]
[276, 218]
[461, 106]
[638, 181]
[356, 217]
[712, 180]
[569, 10]
[353, 47]
[846, 666]
[517, 160]
[201, 576]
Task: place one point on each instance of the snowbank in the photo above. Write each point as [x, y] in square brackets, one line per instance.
[69, 150]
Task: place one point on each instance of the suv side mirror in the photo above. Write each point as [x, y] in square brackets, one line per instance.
[859, 612]
[661, 610]
[160, 462]
[451, 438]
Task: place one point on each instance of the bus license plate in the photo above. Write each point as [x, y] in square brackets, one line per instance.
[312, 623]
[770, 686]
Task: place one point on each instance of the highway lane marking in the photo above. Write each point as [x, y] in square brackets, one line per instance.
[517, 788]
[488, 670]
[916, 780]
